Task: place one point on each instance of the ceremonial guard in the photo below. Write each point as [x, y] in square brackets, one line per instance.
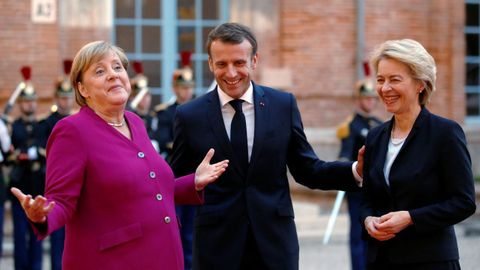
[141, 101]
[5, 143]
[26, 174]
[352, 134]
[183, 88]
[64, 100]
[182, 83]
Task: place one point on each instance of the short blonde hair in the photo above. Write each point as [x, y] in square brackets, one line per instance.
[88, 55]
[415, 57]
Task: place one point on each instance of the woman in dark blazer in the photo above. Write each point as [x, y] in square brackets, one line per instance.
[417, 175]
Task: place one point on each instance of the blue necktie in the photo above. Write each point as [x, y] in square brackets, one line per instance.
[238, 135]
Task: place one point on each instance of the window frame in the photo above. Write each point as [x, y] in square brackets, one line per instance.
[169, 55]
[475, 89]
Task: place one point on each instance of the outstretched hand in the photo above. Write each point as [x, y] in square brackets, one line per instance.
[206, 173]
[36, 209]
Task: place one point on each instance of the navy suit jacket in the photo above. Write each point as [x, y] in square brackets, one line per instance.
[259, 198]
[431, 178]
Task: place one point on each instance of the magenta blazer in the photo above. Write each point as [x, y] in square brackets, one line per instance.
[116, 196]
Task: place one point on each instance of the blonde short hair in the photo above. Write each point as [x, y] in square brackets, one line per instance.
[88, 55]
[415, 57]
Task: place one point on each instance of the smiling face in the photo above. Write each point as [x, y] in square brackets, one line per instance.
[105, 83]
[396, 87]
[232, 66]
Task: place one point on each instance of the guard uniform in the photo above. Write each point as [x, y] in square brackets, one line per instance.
[63, 90]
[27, 175]
[140, 102]
[165, 114]
[5, 143]
[353, 133]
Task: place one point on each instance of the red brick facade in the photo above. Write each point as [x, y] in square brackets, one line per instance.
[41, 46]
[317, 42]
[314, 41]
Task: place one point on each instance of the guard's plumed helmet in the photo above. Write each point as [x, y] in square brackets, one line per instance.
[27, 92]
[139, 81]
[63, 86]
[365, 87]
[184, 76]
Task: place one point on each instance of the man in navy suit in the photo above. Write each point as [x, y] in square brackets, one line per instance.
[247, 221]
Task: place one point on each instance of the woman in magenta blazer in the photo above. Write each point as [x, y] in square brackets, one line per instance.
[106, 182]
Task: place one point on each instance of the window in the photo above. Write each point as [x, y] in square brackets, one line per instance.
[472, 59]
[155, 32]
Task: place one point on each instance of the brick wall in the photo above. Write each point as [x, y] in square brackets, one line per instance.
[311, 41]
[316, 42]
[24, 43]
[41, 46]
[438, 25]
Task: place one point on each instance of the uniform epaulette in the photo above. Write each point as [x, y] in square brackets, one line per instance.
[343, 130]
[161, 107]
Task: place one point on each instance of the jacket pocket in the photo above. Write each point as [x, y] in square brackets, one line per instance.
[120, 236]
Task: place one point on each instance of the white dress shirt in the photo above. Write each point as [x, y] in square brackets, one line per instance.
[248, 109]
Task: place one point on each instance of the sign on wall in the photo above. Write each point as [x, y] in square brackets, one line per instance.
[44, 11]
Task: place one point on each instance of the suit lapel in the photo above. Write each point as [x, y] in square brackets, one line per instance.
[261, 120]
[413, 133]
[415, 129]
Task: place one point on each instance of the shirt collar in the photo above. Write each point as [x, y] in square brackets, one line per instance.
[247, 96]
